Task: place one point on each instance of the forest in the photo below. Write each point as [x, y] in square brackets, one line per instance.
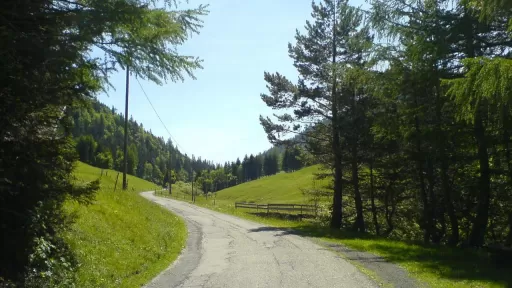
[409, 104]
[98, 133]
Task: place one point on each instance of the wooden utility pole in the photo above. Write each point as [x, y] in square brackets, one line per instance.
[170, 172]
[192, 186]
[125, 164]
[170, 181]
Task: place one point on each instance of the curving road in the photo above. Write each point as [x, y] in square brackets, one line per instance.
[226, 251]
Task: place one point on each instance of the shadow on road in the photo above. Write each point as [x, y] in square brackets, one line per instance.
[440, 262]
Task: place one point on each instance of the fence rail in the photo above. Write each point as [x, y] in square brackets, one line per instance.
[302, 208]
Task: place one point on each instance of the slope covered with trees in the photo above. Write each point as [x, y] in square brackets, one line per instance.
[409, 104]
[98, 132]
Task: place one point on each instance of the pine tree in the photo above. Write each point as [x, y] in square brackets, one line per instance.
[318, 56]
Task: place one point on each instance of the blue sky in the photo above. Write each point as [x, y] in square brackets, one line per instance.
[216, 116]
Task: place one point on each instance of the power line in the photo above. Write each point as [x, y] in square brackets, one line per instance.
[159, 118]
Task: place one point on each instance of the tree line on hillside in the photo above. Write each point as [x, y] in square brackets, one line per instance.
[98, 132]
[49, 71]
[409, 104]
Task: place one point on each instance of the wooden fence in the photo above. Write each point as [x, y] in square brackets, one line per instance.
[302, 208]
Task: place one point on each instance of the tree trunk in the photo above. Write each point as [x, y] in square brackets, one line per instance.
[447, 191]
[425, 223]
[389, 213]
[372, 198]
[170, 183]
[445, 183]
[359, 223]
[506, 142]
[509, 236]
[448, 201]
[478, 231]
[432, 202]
[479, 227]
[337, 213]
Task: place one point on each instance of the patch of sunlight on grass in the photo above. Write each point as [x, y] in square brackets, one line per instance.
[122, 240]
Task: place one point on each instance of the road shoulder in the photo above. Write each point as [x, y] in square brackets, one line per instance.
[388, 274]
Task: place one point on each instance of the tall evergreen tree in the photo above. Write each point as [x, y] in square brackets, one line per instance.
[316, 97]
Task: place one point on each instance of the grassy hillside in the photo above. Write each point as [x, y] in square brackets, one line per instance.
[279, 188]
[122, 240]
[283, 187]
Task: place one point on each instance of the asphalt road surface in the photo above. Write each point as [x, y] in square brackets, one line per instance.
[226, 251]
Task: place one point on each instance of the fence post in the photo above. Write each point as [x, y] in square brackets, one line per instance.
[116, 181]
[268, 207]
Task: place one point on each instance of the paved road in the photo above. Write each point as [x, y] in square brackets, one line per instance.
[226, 251]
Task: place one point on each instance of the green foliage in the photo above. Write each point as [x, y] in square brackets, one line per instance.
[486, 79]
[270, 164]
[104, 160]
[291, 159]
[86, 148]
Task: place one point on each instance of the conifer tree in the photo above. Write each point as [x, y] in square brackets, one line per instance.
[316, 98]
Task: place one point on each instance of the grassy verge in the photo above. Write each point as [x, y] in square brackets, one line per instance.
[122, 240]
[436, 266]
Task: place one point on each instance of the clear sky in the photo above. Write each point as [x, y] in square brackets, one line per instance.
[216, 116]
